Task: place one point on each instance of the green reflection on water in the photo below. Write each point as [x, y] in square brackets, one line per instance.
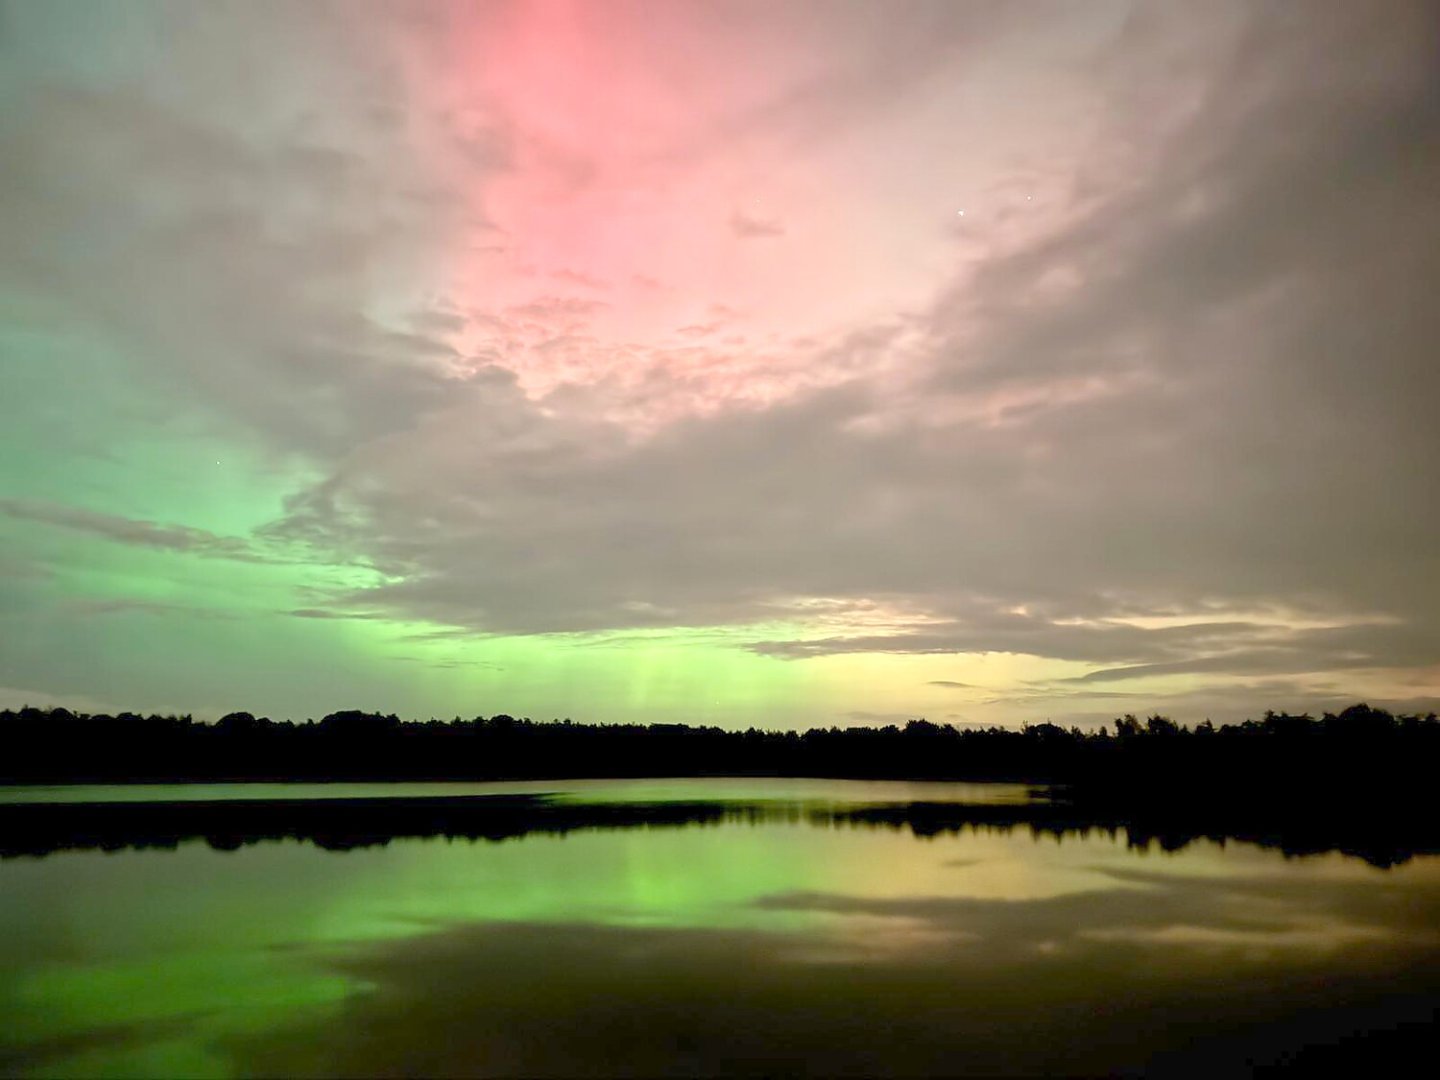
[639, 790]
[187, 962]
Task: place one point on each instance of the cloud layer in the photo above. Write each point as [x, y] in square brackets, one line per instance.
[670, 320]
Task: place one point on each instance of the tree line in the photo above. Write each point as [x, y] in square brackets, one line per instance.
[1360, 745]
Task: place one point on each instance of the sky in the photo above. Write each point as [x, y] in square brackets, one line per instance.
[772, 364]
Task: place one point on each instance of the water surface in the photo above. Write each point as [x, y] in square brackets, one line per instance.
[765, 942]
[638, 790]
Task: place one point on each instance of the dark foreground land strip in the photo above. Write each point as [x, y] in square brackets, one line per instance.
[1383, 836]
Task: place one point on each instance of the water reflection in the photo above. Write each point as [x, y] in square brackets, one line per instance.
[629, 790]
[989, 999]
[342, 822]
[754, 943]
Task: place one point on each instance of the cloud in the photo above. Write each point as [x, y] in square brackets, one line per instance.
[123, 530]
[1163, 407]
[1206, 303]
[754, 228]
[225, 228]
[569, 311]
[864, 716]
[576, 277]
[325, 613]
[128, 606]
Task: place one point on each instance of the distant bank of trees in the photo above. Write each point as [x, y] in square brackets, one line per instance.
[1360, 747]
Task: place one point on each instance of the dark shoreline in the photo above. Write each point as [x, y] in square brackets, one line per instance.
[1359, 781]
[1358, 745]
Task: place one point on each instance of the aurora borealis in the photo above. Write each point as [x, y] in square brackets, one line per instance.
[634, 361]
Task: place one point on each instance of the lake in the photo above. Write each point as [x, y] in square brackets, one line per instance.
[683, 927]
